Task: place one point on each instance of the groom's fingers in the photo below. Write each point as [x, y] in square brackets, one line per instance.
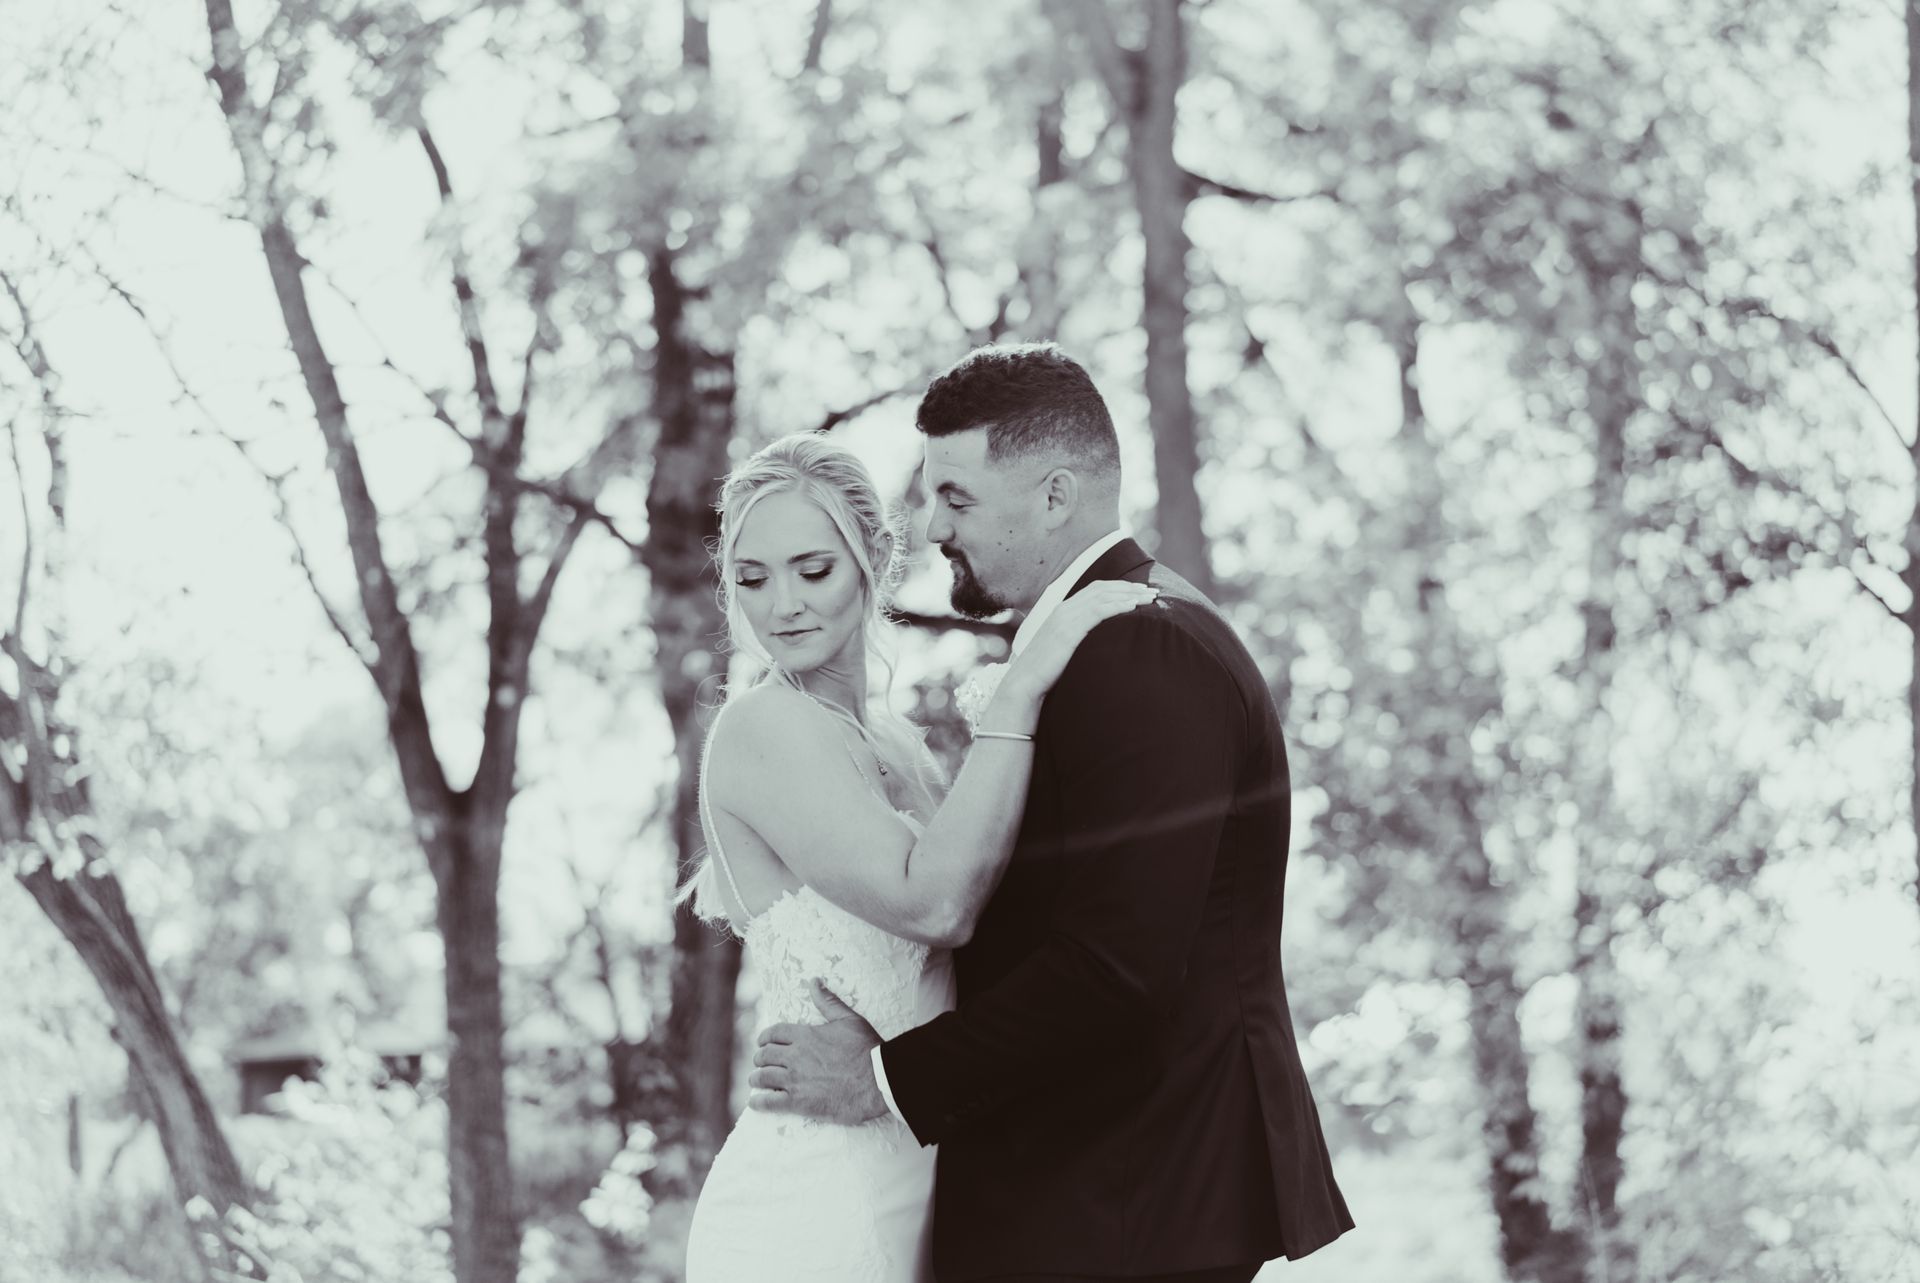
[777, 1035]
[771, 1102]
[771, 1078]
[829, 1004]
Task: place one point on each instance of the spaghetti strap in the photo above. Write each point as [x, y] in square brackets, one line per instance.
[713, 830]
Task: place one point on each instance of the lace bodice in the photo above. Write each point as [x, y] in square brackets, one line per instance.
[893, 982]
[803, 935]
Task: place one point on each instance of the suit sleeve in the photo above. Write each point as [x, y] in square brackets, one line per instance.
[1140, 731]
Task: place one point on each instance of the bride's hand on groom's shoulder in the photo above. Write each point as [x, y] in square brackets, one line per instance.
[1032, 673]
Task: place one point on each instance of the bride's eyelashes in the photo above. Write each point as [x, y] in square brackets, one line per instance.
[813, 575]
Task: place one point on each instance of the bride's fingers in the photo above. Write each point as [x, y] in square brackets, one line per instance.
[1117, 599]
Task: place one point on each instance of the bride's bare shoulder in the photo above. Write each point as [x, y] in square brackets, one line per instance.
[765, 725]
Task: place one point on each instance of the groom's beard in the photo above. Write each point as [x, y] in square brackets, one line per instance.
[969, 595]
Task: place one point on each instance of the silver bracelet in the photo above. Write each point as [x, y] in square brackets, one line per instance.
[1002, 735]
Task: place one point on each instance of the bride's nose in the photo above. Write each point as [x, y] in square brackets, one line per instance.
[786, 602]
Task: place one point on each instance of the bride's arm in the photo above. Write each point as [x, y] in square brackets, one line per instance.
[780, 764]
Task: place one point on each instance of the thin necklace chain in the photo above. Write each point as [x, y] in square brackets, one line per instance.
[878, 760]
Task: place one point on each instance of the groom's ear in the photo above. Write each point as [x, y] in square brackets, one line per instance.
[1061, 490]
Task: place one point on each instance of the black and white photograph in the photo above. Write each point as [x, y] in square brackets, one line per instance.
[1032, 641]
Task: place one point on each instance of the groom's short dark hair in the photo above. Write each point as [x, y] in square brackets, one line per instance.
[1031, 397]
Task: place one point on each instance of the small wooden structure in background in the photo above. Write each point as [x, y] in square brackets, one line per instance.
[265, 1063]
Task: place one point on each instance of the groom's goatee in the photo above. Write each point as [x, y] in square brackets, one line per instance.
[967, 596]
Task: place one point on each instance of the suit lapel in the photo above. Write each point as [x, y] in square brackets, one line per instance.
[1125, 560]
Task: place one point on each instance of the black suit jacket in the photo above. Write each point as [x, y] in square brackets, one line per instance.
[1119, 1091]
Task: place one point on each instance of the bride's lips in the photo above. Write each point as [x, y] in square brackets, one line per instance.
[792, 635]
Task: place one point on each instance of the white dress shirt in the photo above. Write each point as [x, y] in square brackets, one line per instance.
[1048, 602]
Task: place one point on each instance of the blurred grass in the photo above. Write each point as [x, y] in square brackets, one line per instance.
[1421, 1213]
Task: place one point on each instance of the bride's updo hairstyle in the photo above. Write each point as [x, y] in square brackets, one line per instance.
[833, 477]
[838, 483]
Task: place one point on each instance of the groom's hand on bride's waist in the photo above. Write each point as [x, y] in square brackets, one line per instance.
[820, 1071]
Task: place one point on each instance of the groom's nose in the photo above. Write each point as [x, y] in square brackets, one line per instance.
[939, 529]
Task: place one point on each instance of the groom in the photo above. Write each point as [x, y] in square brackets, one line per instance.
[1118, 1093]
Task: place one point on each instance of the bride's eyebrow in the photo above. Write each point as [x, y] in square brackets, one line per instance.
[794, 560]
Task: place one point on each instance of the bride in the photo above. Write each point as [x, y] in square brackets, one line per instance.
[833, 854]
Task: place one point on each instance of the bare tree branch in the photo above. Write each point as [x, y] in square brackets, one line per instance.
[540, 291]
[835, 418]
[212, 428]
[817, 40]
[536, 608]
[534, 347]
[398, 662]
[435, 399]
[463, 287]
[976, 335]
[1259, 353]
[19, 633]
[1826, 343]
[283, 510]
[1756, 476]
[1901, 617]
[1199, 185]
[931, 243]
[28, 348]
[1661, 853]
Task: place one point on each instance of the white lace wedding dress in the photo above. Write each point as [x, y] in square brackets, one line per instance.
[793, 1200]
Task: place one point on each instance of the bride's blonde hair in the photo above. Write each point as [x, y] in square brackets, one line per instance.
[838, 483]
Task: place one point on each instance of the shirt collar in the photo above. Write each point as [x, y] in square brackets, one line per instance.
[1062, 585]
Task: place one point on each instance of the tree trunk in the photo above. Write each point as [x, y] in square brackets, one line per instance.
[90, 911]
[1160, 191]
[461, 833]
[1603, 1098]
[1144, 85]
[1038, 250]
[694, 395]
[76, 1148]
[1530, 1247]
[47, 808]
[486, 1238]
[1911, 573]
[1598, 892]
[198, 1157]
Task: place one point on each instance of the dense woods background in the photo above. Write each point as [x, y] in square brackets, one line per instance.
[1534, 382]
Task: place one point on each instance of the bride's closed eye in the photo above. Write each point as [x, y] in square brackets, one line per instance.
[814, 575]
